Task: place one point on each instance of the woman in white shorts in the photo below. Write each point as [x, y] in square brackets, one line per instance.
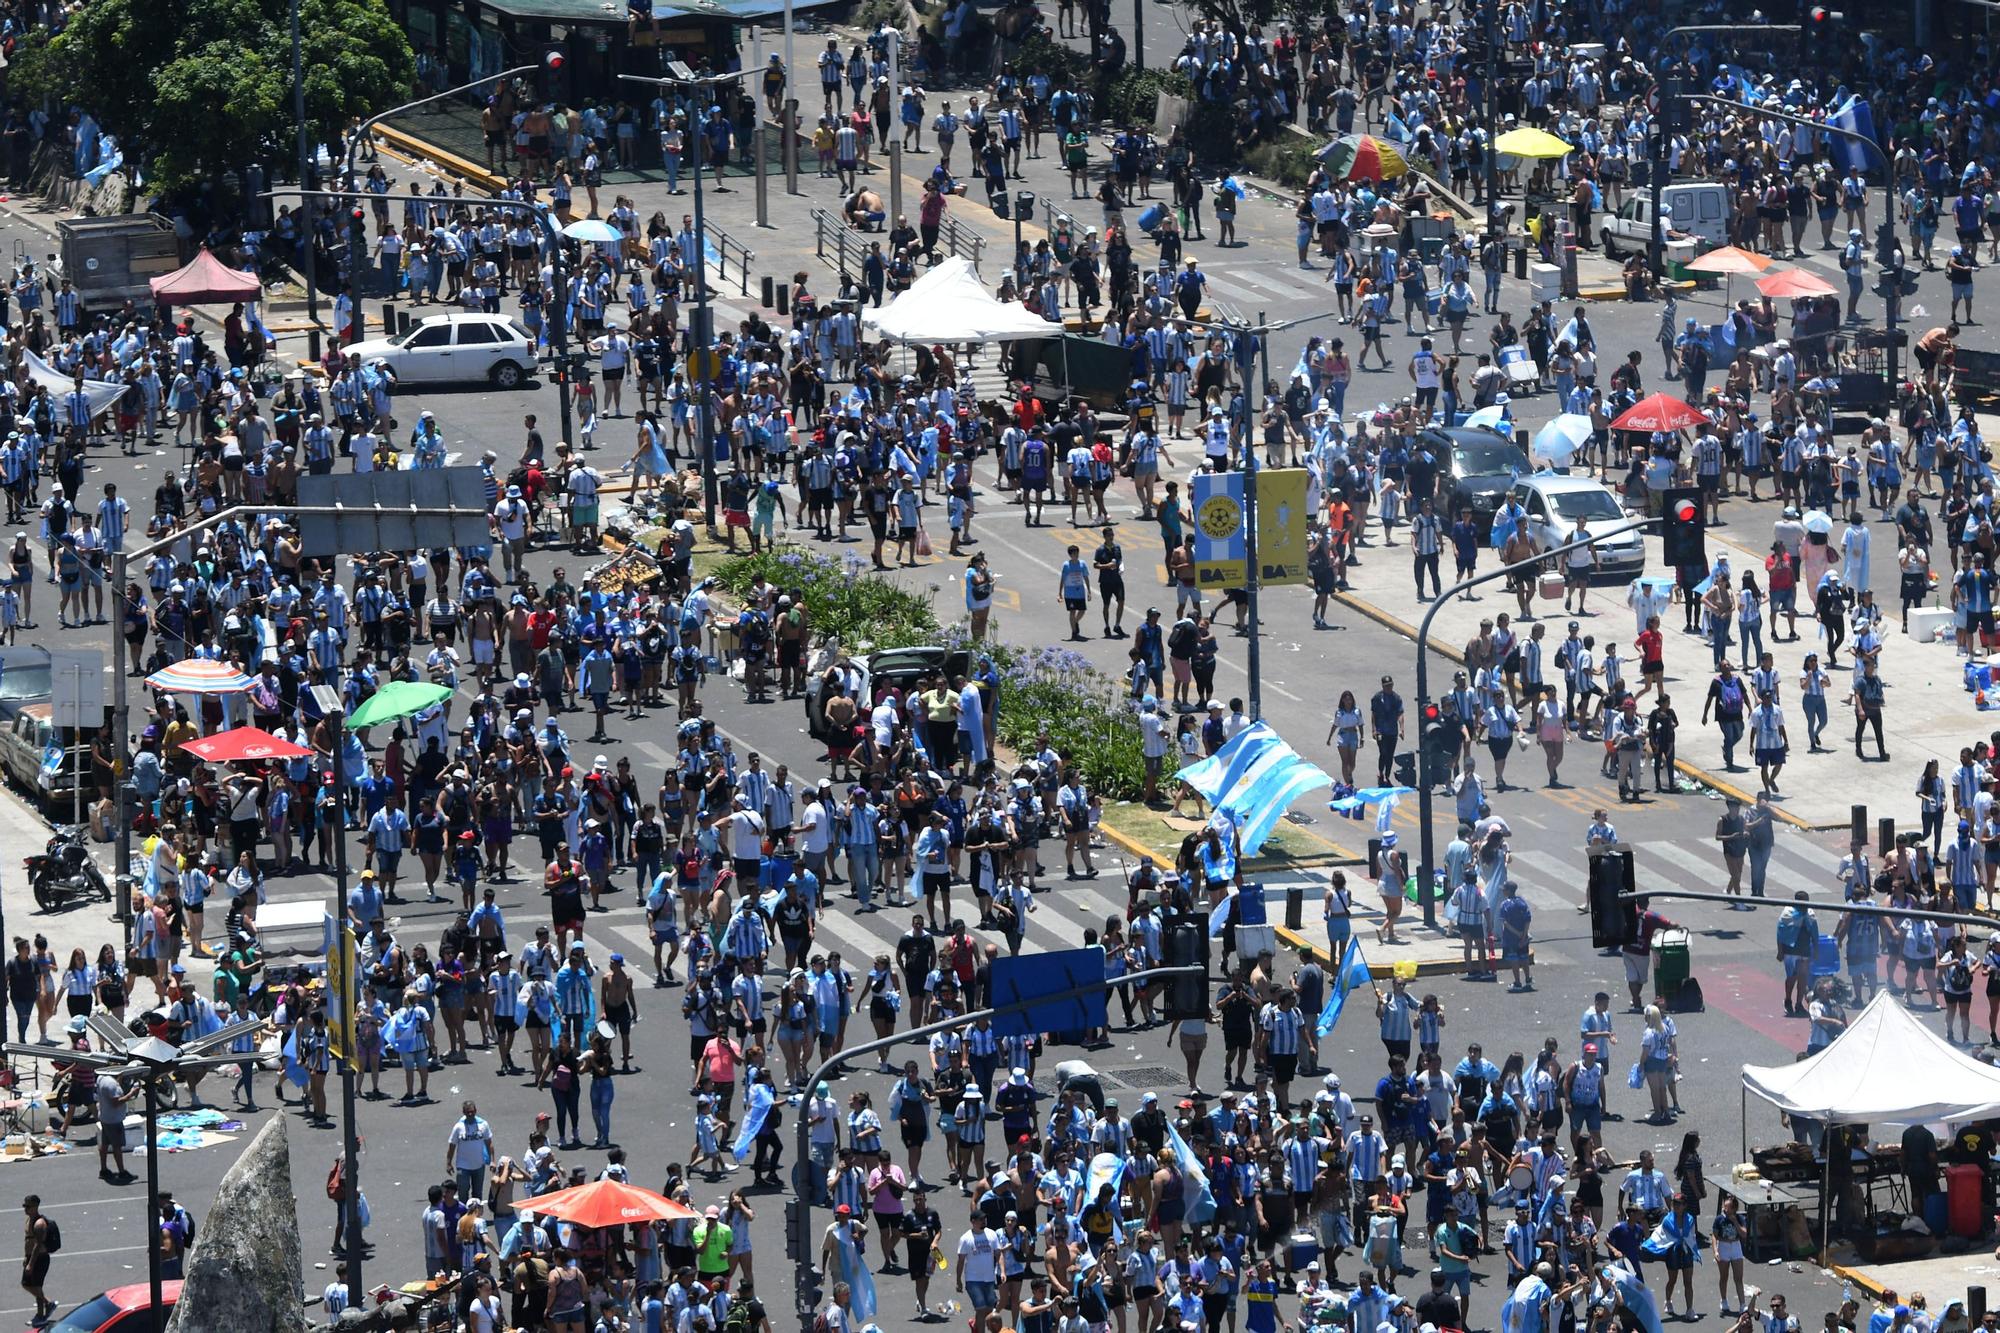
[1729, 1231]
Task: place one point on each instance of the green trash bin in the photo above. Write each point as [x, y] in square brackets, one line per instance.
[1671, 963]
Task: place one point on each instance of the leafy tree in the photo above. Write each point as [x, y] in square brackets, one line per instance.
[195, 87]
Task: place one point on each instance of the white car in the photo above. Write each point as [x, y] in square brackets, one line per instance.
[455, 349]
[1555, 502]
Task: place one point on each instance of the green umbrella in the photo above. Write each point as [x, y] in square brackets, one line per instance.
[399, 698]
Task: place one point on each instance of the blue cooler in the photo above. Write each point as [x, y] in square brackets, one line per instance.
[1150, 220]
[1826, 957]
[1303, 1250]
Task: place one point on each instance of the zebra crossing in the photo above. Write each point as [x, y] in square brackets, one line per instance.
[1797, 865]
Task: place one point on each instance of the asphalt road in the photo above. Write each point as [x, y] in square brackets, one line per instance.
[1303, 671]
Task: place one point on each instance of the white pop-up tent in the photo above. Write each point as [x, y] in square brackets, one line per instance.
[1885, 1069]
[949, 304]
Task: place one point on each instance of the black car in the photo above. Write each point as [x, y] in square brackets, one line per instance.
[1479, 466]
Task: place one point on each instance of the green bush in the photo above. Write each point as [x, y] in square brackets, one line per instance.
[1286, 160]
[1088, 714]
[840, 600]
[1133, 97]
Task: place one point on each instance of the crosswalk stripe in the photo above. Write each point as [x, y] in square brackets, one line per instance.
[1541, 889]
[1778, 875]
[1702, 868]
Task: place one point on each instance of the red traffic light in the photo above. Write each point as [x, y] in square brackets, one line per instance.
[1432, 713]
[552, 60]
[1686, 511]
[1820, 16]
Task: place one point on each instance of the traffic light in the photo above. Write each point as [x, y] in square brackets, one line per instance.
[795, 1226]
[554, 58]
[1676, 112]
[1439, 745]
[1612, 922]
[1184, 943]
[1683, 524]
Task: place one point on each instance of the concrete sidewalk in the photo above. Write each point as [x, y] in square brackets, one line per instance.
[1929, 714]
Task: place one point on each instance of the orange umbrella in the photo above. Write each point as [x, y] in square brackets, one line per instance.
[1729, 259]
[606, 1203]
[1794, 282]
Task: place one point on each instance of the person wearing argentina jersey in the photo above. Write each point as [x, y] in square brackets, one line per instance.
[1281, 1026]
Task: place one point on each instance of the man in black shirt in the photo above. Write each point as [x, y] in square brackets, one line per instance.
[916, 955]
[921, 1226]
[1438, 1306]
[794, 921]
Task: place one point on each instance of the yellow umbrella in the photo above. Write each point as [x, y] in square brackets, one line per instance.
[1530, 142]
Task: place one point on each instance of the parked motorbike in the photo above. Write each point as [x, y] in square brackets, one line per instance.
[65, 870]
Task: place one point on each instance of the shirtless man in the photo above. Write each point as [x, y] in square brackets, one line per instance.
[621, 1007]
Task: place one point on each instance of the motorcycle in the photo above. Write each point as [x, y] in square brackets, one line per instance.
[65, 869]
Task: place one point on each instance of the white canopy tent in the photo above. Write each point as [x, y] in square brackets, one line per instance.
[949, 304]
[1885, 1069]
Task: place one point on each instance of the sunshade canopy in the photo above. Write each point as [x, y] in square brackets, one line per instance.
[243, 743]
[1729, 259]
[205, 280]
[1363, 157]
[606, 1203]
[1794, 282]
[950, 304]
[399, 698]
[1658, 412]
[1530, 142]
[1886, 1068]
[200, 675]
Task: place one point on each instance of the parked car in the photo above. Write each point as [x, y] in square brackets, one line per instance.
[897, 668]
[25, 738]
[1555, 503]
[455, 349]
[125, 1309]
[1482, 466]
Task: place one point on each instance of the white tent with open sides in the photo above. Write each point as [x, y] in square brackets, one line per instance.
[1886, 1069]
[949, 304]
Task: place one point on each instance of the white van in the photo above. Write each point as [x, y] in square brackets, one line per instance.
[1699, 209]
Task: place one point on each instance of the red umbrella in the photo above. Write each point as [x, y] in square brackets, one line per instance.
[243, 743]
[1659, 412]
[606, 1203]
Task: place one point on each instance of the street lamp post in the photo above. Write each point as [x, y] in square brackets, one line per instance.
[1656, 166]
[1893, 300]
[557, 298]
[357, 235]
[155, 1065]
[1426, 844]
[701, 335]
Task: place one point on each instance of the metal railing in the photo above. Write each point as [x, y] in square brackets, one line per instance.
[848, 251]
[962, 242]
[724, 243]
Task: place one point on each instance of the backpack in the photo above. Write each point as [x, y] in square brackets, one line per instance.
[51, 1235]
[738, 1318]
[1790, 927]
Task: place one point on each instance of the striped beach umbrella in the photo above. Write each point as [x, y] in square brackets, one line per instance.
[200, 675]
[1363, 157]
